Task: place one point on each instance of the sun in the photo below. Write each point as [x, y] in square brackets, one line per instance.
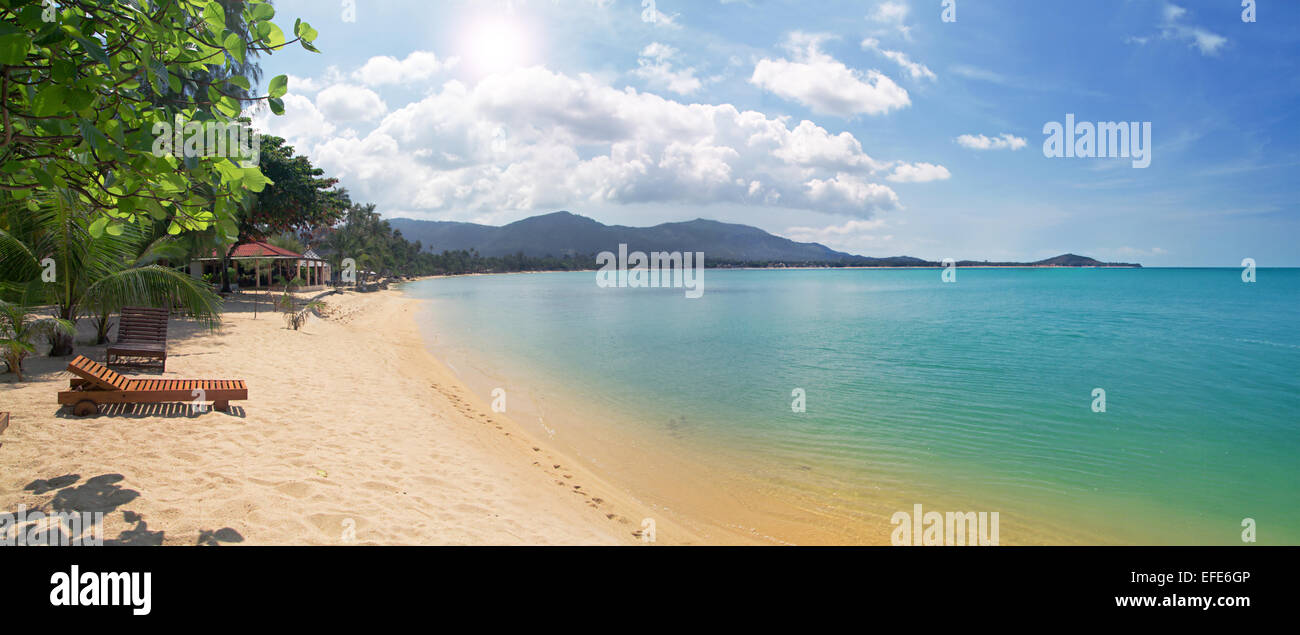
[496, 44]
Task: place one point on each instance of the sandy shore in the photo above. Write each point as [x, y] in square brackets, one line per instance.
[352, 434]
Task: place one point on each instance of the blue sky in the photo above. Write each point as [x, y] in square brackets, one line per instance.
[873, 127]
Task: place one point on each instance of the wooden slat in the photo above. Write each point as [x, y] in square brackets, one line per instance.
[95, 372]
[141, 332]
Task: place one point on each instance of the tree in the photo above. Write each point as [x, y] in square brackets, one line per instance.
[18, 331]
[91, 92]
[301, 198]
[92, 274]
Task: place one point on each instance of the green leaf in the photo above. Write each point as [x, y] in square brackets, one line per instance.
[270, 34]
[235, 46]
[97, 226]
[254, 180]
[78, 99]
[49, 101]
[240, 81]
[13, 48]
[94, 50]
[215, 15]
[276, 104]
[42, 177]
[263, 11]
[93, 136]
[304, 31]
[279, 86]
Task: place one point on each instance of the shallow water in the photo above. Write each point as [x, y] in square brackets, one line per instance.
[975, 395]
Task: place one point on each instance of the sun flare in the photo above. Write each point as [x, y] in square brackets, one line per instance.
[496, 44]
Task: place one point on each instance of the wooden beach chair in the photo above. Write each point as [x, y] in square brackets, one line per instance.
[95, 384]
[141, 333]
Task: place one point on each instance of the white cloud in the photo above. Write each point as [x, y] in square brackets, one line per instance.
[893, 14]
[306, 125]
[1174, 27]
[915, 69]
[417, 67]
[825, 84]
[850, 236]
[656, 67]
[533, 139]
[650, 13]
[344, 102]
[852, 192]
[1004, 141]
[303, 85]
[918, 173]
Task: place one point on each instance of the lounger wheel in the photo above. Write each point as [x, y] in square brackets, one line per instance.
[85, 408]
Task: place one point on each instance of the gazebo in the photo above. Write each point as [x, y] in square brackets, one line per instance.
[258, 261]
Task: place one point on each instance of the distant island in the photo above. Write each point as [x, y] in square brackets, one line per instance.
[567, 236]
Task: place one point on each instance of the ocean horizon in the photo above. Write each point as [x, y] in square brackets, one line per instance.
[979, 395]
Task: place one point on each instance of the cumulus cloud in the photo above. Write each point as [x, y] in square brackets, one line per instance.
[915, 69]
[417, 67]
[344, 102]
[825, 84]
[851, 192]
[893, 15]
[918, 173]
[1004, 141]
[655, 66]
[306, 124]
[533, 139]
[304, 85]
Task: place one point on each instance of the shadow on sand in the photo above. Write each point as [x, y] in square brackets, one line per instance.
[147, 410]
[100, 495]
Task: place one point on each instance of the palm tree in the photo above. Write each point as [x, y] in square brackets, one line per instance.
[19, 330]
[93, 275]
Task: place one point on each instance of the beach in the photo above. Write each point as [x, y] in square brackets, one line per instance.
[353, 433]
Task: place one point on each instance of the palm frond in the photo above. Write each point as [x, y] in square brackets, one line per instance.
[156, 286]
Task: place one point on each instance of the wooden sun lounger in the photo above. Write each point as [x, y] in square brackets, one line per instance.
[95, 384]
[141, 333]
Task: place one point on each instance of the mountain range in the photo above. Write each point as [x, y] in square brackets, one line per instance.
[566, 234]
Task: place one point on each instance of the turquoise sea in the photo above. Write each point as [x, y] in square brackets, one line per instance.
[975, 395]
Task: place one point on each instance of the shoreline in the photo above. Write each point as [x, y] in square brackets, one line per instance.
[332, 447]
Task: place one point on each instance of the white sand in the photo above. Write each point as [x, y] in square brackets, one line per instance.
[351, 425]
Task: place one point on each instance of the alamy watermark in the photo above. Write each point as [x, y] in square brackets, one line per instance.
[1099, 400]
[944, 528]
[658, 269]
[1248, 270]
[93, 588]
[949, 13]
[36, 528]
[195, 139]
[1106, 139]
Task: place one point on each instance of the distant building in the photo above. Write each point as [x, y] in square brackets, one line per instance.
[260, 265]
